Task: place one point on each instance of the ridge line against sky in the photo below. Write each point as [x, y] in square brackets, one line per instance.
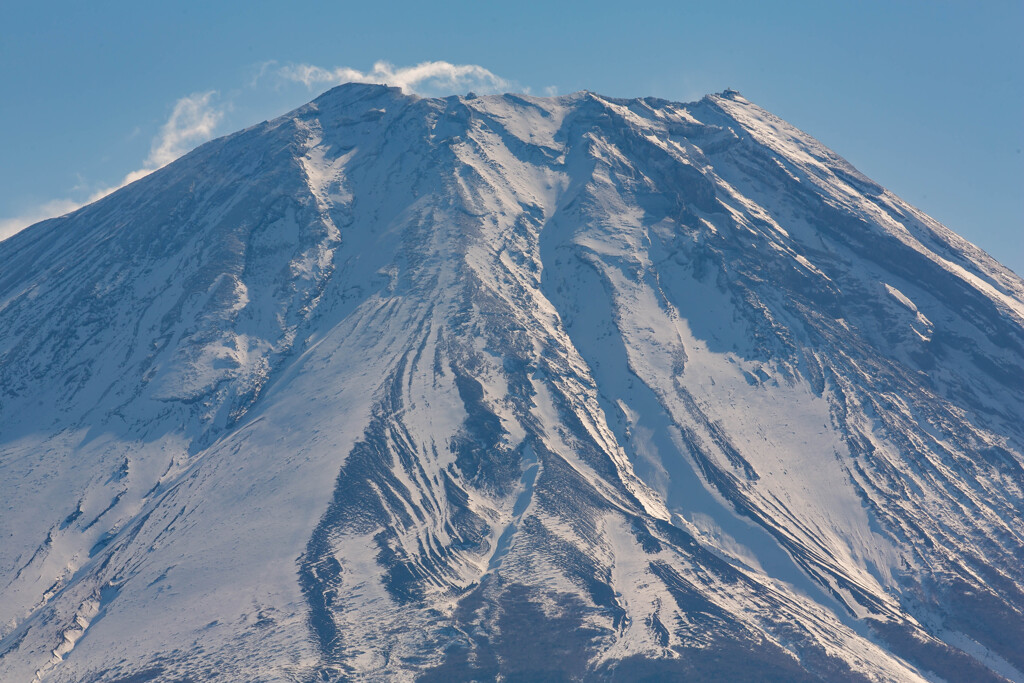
[192, 122]
[195, 118]
[925, 98]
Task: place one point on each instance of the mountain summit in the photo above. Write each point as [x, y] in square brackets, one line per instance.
[507, 387]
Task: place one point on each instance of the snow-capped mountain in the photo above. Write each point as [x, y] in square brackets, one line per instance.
[393, 388]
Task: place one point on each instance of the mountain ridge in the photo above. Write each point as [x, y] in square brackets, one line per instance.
[413, 373]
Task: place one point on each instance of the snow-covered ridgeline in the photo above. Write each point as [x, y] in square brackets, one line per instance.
[365, 388]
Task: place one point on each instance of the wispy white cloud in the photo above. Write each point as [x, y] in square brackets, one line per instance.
[192, 122]
[426, 78]
[56, 207]
[260, 70]
[194, 119]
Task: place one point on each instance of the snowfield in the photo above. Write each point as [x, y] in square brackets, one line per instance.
[508, 387]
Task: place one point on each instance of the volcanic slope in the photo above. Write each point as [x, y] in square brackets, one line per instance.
[531, 388]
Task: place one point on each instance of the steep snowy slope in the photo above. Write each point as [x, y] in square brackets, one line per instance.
[466, 388]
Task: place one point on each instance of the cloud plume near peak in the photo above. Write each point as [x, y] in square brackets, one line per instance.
[193, 121]
[426, 78]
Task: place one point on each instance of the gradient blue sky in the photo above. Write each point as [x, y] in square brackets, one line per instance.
[926, 97]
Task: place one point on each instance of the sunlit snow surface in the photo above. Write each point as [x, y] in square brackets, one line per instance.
[487, 387]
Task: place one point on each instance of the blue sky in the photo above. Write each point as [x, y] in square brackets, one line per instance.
[926, 97]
